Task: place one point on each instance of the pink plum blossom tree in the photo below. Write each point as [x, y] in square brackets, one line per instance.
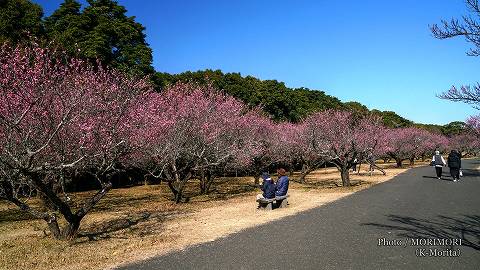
[311, 148]
[410, 143]
[343, 138]
[191, 131]
[59, 117]
[468, 142]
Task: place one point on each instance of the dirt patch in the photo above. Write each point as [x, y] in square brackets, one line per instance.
[140, 222]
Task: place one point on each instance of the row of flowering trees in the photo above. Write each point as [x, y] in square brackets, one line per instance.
[61, 117]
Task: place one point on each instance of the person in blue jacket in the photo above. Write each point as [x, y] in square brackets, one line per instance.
[282, 183]
[268, 187]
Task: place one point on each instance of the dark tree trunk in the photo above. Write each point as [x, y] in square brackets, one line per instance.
[68, 232]
[179, 195]
[177, 190]
[345, 174]
[373, 165]
[206, 181]
[304, 167]
[177, 181]
[210, 180]
[257, 179]
[399, 162]
[54, 203]
[71, 229]
[53, 227]
[304, 173]
[412, 161]
[203, 182]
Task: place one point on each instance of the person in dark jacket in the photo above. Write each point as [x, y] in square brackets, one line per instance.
[282, 183]
[438, 162]
[459, 153]
[454, 163]
[268, 187]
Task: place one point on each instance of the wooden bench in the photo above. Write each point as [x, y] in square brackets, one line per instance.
[270, 204]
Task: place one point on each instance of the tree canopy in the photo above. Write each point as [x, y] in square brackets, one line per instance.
[101, 31]
[19, 19]
[276, 99]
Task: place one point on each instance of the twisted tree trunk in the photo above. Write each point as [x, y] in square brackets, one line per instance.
[345, 174]
[54, 203]
[399, 162]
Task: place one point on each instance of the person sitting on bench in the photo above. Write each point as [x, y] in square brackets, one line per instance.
[282, 183]
[268, 187]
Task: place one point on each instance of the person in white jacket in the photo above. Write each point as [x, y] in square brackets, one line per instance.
[438, 161]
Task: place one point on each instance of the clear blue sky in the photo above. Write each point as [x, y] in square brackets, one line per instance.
[380, 53]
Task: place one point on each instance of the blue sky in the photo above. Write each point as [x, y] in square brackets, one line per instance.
[380, 53]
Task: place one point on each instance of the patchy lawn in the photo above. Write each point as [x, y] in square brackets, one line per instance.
[139, 222]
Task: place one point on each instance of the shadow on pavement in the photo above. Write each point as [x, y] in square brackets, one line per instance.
[466, 227]
[471, 173]
[434, 177]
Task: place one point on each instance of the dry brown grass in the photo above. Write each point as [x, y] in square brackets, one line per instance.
[136, 223]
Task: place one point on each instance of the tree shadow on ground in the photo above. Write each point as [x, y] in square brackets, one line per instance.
[120, 201]
[107, 229]
[222, 189]
[471, 173]
[14, 214]
[330, 184]
[465, 227]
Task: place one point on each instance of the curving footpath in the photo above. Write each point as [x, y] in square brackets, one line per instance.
[413, 221]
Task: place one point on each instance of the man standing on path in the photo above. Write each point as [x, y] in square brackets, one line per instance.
[438, 161]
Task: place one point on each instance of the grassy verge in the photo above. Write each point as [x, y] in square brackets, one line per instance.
[139, 222]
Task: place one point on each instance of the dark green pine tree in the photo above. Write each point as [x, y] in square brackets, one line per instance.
[66, 26]
[20, 20]
[101, 31]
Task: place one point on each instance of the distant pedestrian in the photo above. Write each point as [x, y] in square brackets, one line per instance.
[454, 163]
[355, 162]
[438, 161]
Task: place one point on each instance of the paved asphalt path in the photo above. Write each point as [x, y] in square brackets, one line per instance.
[345, 234]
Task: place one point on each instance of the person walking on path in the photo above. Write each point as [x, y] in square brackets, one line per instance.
[454, 163]
[460, 174]
[438, 161]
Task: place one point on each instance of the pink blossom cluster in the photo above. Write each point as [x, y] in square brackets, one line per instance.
[411, 143]
[56, 111]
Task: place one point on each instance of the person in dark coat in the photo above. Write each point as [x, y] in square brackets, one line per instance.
[459, 153]
[454, 163]
[268, 187]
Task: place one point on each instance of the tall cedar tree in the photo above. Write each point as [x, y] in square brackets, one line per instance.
[19, 19]
[101, 31]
